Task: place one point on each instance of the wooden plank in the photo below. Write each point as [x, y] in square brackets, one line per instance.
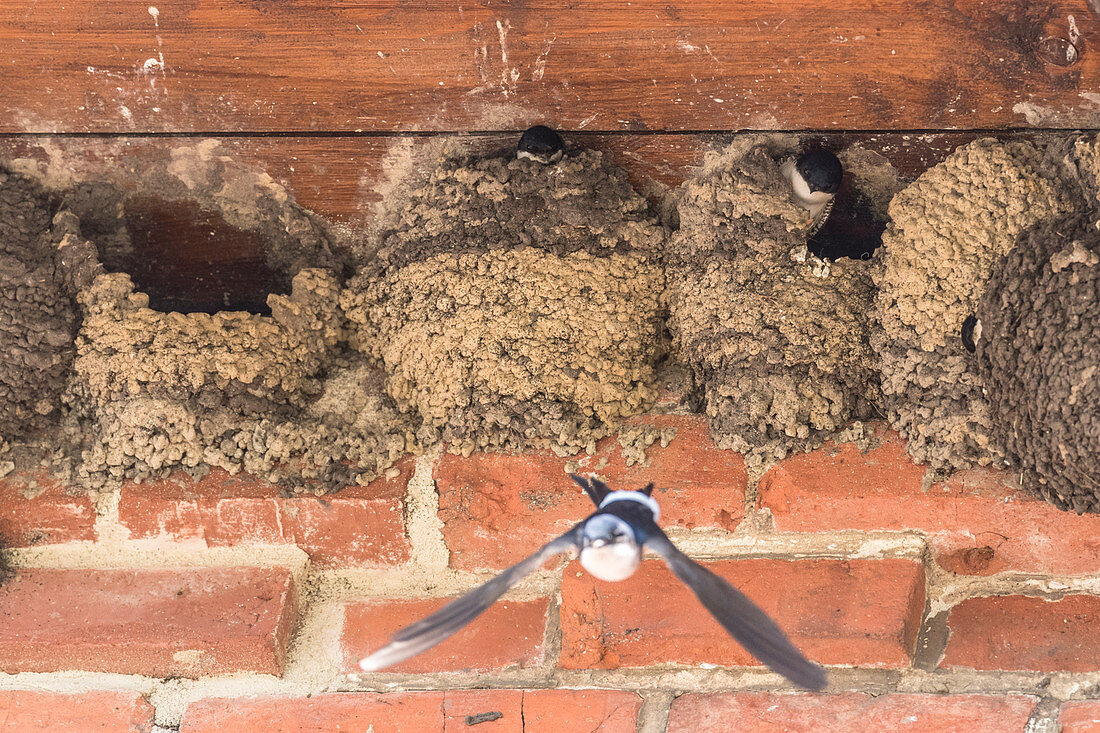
[390, 65]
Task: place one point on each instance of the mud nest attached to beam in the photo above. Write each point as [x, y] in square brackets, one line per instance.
[1039, 356]
[777, 338]
[37, 317]
[160, 391]
[154, 390]
[515, 305]
[947, 230]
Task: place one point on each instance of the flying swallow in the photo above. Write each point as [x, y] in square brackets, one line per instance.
[610, 543]
[541, 144]
[814, 178]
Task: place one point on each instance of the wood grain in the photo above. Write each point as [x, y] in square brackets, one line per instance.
[398, 65]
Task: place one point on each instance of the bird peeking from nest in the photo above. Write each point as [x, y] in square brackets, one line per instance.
[815, 178]
[541, 144]
[610, 542]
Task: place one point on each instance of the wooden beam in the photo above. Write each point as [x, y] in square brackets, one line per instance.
[390, 65]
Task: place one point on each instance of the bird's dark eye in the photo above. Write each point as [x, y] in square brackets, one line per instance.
[967, 333]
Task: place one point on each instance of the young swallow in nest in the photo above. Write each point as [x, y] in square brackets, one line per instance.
[610, 543]
[540, 143]
[815, 178]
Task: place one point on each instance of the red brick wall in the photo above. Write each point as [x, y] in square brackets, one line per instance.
[961, 605]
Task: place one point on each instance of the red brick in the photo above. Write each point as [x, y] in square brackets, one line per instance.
[977, 521]
[488, 499]
[26, 711]
[35, 509]
[159, 623]
[854, 612]
[1021, 633]
[598, 711]
[362, 525]
[522, 711]
[509, 634]
[1080, 717]
[764, 712]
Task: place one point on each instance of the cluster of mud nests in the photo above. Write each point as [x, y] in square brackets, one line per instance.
[515, 304]
[986, 314]
[505, 304]
[777, 339]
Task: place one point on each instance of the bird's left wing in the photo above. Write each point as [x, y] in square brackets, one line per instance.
[742, 618]
[429, 631]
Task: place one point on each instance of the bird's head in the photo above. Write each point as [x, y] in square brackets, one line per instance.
[541, 144]
[815, 177]
[971, 333]
[609, 548]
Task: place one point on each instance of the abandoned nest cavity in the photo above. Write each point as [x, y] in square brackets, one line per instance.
[152, 391]
[513, 304]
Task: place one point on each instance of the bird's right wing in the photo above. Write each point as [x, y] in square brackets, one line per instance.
[742, 618]
[429, 631]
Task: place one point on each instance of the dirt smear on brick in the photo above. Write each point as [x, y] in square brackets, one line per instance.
[777, 339]
[947, 231]
[514, 305]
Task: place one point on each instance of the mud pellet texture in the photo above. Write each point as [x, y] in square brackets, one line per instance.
[515, 305]
[37, 318]
[777, 338]
[1039, 357]
[947, 230]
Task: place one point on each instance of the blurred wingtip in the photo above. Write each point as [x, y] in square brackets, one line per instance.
[813, 678]
[379, 660]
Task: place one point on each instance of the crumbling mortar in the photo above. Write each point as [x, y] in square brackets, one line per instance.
[653, 717]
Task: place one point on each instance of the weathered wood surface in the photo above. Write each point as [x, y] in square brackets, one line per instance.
[398, 65]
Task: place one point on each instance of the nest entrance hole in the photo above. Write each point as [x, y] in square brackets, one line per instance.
[852, 230]
[189, 259]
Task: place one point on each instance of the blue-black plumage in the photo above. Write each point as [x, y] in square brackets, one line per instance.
[610, 543]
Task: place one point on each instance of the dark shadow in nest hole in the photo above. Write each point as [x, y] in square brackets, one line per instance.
[189, 259]
[852, 229]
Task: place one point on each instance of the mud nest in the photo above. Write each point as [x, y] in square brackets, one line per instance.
[161, 391]
[153, 390]
[777, 339]
[515, 305]
[1039, 356]
[1082, 160]
[947, 230]
[37, 317]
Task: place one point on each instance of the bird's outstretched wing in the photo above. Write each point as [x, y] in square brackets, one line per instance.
[742, 618]
[433, 629]
[597, 490]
